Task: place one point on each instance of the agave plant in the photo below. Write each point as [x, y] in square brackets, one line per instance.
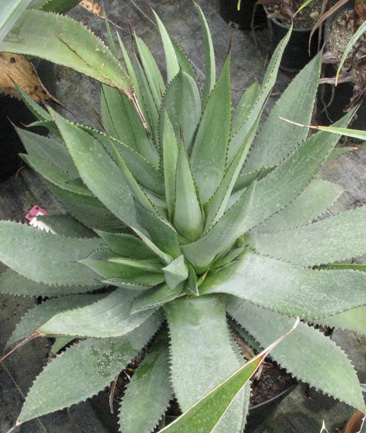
[193, 221]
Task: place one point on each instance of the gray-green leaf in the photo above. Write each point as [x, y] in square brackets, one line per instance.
[289, 289]
[306, 353]
[276, 138]
[310, 204]
[13, 283]
[43, 312]
[201, 323]
[208, 157]
[68, 44]
[149, 391]
[330, 240]
[93, 362]
[110, 317]
[47, 258]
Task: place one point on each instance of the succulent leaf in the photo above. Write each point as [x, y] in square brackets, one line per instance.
[60, 343]
[87, 209]
[296, 103]
[66, 225]
[127, 245]
[330, 240]
[244, 107]
[205, 415]
[151, 70]
[201, 323]
[192, 282]
[182, 102]
[244, 180]
[94, 362]
[288, 289]
[170, 152]
[132, 74]
[10, 13]
[69, 44]
[59, 6]
[256, 108]
[191, 328]
[170, 55]
[353, 320]
[306, 353]
[135, 283]
[149, 391]
[208, 157]
[162, 232]
[149, 103]
[155, 297]
[143, 266]
[43, 312]
[138, 165]
[310, 204]
[109, 317]
[55, 175]
[15, 284]
[183, 60]
[217, 205]
[93, 162]
[210, 63]
[40, 113]
[106, 264]
[287, 181]
[176, 272]
[166, 258]
[188, 217]
[140, 168]
[222, 235]
[121, 121]
[48, 149]
[46, 258]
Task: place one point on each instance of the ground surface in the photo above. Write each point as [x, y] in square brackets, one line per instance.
[301, 411]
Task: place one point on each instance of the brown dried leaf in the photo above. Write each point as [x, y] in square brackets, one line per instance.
[93, 7]
[18, 69]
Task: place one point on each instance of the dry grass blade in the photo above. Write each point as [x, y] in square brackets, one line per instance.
[327, 14]
[26, 340]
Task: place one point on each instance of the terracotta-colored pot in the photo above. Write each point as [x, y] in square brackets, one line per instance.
[354, 423]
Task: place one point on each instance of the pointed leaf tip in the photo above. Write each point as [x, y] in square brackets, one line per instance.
[214, 404]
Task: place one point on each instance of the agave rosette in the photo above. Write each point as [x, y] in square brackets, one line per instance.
[198, 223]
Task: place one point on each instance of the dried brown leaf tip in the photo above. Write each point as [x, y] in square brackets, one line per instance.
[15, 68]
[93, 7]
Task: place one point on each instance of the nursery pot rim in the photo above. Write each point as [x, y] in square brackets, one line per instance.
[274, 398]
[259, 405]
[285, 26]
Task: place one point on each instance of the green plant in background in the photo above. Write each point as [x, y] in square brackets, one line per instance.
[195, 222]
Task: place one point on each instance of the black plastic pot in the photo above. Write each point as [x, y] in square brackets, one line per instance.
[242, 18]
[337, 98]
[296, 54]
[258, 414]
[14, 111]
